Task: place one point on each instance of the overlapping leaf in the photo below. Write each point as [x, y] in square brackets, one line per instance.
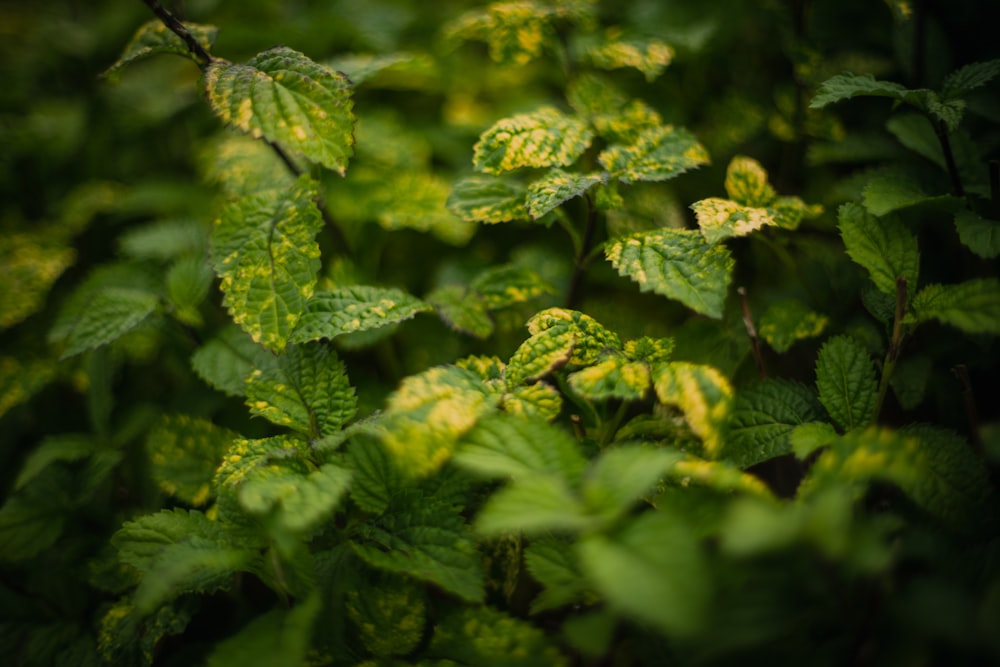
[658, 153]
[508, 447]
[295, 503]
[846, 381]
[702, 393]
[972, 306]
[354, 308]
[184, 453]
[883, 246]
[490, 638]
[558, 337]
[677, 263]
[557, 187]
[649, 56]
[265, 252]
[110, 314]
[763, 417]
[286, 98]
[543, 138]
[225, 361]
[488, 200]
[788, 321]
[621, 476]
[153, 38]
[979, 235]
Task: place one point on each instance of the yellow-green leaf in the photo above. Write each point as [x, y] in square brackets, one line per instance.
[649, 56]
[489, 200]
[354, 308]
[543, 138]
[153, 37]
[658, 153]
[788, 321]
[613, 377]
[746, 182]
[30, 263]
[720, 219]
[557, 187]
[702, 393]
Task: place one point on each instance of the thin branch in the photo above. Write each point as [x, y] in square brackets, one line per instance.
[995, 187]
[580, 262]
[752, 332]
[941, 129]
[961, 374]
[895, 346]
[174, 24]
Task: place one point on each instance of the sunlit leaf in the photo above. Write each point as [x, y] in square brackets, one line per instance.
[658, 153]
[557, 187]
[153, 38]
[354, 308]
[542, 138]
[649, 56]
[720, 219]
[746, 182]
[972, 306]
[702, 393]
[883, 246]
[845, 377]
[488, 200]
[678, 264]
[286, 98]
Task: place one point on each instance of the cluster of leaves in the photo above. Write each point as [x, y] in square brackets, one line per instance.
[430, 365]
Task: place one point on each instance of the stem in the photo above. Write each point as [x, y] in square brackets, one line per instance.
[580, 263]
[752, 332]
[895, 345]
[949, 157]
[203, 57]
[995, 187]
[961, 373]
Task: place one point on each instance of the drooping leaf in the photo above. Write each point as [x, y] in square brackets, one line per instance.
[613, 377]
[702, 393]
[153, 38]
[462, 310]
[354, 308]
[649, 56]
[543, 138]
[554, 565]
[966, 79]
[191, 566]
[621, 476]
[225, 361]
[305, 389]
[508, 284]
[110, 314]
[428, 544]
[979, 235]
[294, 502]
[490, 638]
[889, 190]
[502, 446]
[184, 453]
[652, 570]
[54, 449]
[762, 419]
[846, 86]
[535, 504]
[788, 321]
[557, 187]
[278, 638]
[720, 219]
[658, 153]
[972, 306]
[286, 98]
[30, 264]
[265, 252]
[678, 264]
[883, 246]
[845, 378]
[488, 200]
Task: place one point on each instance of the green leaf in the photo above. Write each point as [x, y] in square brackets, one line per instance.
[788, 321]
[462, 310]
[916, 132]
[279, 638]
[966, 79]
[613, 377]
[126, 638]
[242, 166]
[184, 453]
[677, 263]
[762, 420]
[543, 138]
[389, 614]
[486, 637]
[428, 544]
[623, 475]
[972, 306]
[355, 308]
[264, 250]
[20, 379]
[286, 98]
[225, 361]
[30, 263]
[979, 235]
[488, 200]
[892, 189]
[846, 381]
[188, 281]
[28, 526]
[746, 182]
[305, 389]
[509, 284]
[110, 314]
[883, 246]
[845, 86]
[658, 153]
[810, 437]
[501, 446]
[153, 38]
[377, 477]
[54, 449]
[721, 219]
[428, 413]
[649, 56]
[246, 459]
[910, 380]
[539, 400]
[295, 503]
[557, 187]
[554, 565]
[140, 542]
[424, 208]
[702, 393]
[536, 504]
[192, 566]
[652, 570]
[558, 337]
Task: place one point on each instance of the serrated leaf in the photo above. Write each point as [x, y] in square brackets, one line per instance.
[845, 378]
[702, 393]
[746, 182]
[110, 314]
[788, 321]
[557, 187]
[390, 615]
[883, 246]
[30, 264]
[501, 446]
[294, 502]
[979, 235]
[649, 350]
[355, 308]
[184, 453]
[140, 542]
[286, 98]
[658, 153]
[677, 263]
[612, 377]
[193, 566]
[188, 281]
[543, 138]
[28, 527]
[246, 458]
[242, 166]
[428, 413]
[539, 400]
[621, 476]
[649, 56]
[558, 337]
[626, 123]
[225, 361]
[377, 478]
[890, 189]
[265, 252]
[845, 86]
[125, 638]
[278, 638]
[305, 389]
[54, 449]
[535, 504]
[972, 306]
[462, 310]
[720, 476]
[652, 570]
[966, 79]
[592, 95]
[486, 637]
[427, 544]
[809, 437]
[488, 200]
[554, 565]
[720, 219]
[762, 420]
[423, 208]
[508, 284]
[153, 37]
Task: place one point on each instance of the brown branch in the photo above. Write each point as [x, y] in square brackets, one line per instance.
[752, 332]
[174, 24]
[961, 374]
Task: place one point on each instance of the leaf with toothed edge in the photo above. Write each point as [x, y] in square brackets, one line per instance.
[153, 38]
[354, 308]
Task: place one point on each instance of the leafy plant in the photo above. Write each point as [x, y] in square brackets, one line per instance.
[512, 333]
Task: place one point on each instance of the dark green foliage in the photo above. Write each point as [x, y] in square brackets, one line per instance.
[548, 332]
